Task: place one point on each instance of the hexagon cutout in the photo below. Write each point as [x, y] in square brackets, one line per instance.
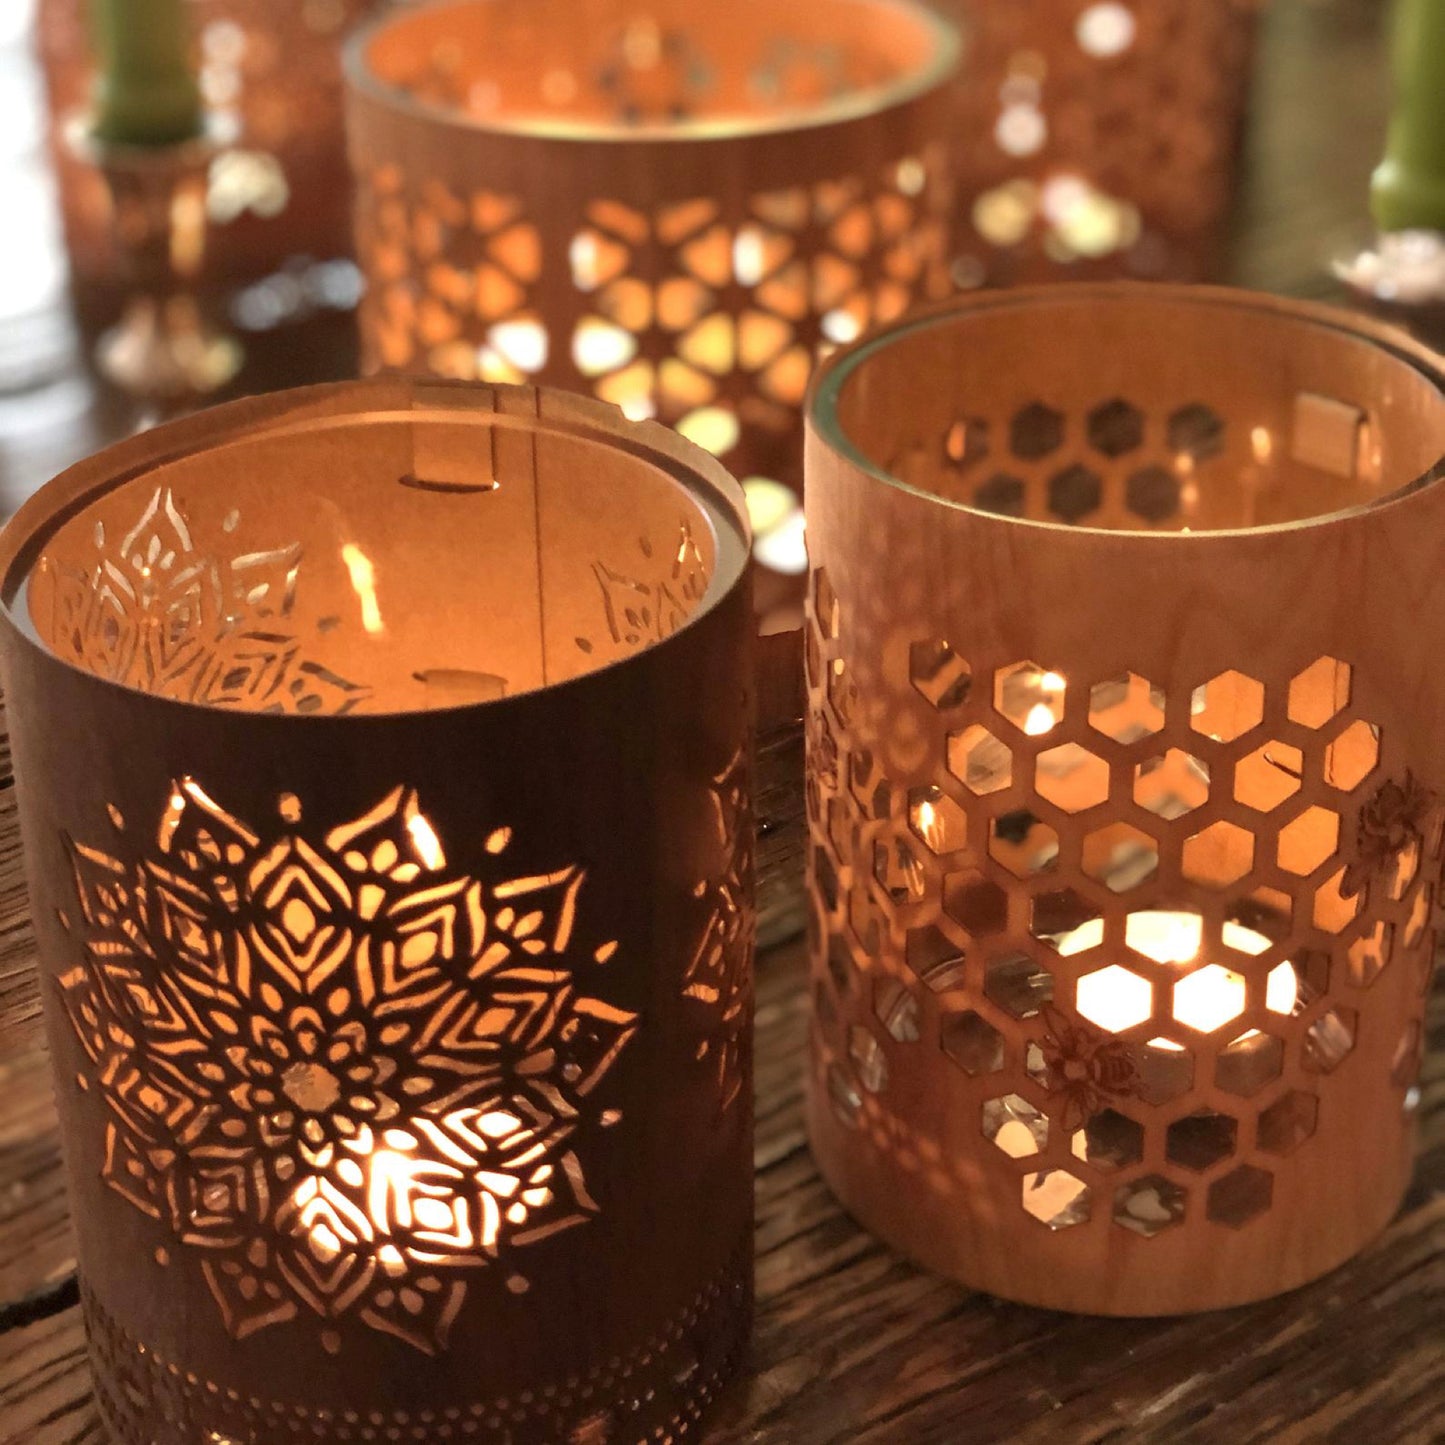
[1165, 935]
[1002, 495]
[978, 905]
[1115, 427]
[1353, 756]
[1196, 431]
[1035, 431]
[1171, 785]
[1209, 998]
[1149, 1205]
[1201, 1140]
[971, 1042]
[1268, 776]
[1071, 777]
[1126, 708]
[979, 760]
[1030, 697]
[1333, 912]
[841, 690]
[1023, 844]
[1249, 1063]
[1320, 692]
[939, 673]
[1015, 1126]
[1227, 706]
[1018, 985]
[1120, 856]
[1056, 1198]
[1219, 855]
[935, 958]
[1065, 921]
[1369, 954]
[1166, 1071]
[897, 868]
[868, 1059]
[1239, 1196]
[1330, 1041]
[937, 821]
[1074, 493]
[1108, 1141]
[1152, 494]
[1308, 842]
[1114, 998]
[1287, 1123]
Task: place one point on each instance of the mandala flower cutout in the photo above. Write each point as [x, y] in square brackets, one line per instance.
[154, 612]
[643, 609]
[347, 1075]
[1084, 1068]
[719, 974]
[1391, 821]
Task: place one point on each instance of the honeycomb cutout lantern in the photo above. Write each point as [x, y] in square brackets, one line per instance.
[1125, 810]
[672, 207]
[397, 955]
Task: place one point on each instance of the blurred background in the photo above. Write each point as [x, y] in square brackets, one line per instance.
[1192, 139]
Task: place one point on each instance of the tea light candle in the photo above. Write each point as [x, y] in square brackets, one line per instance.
[146, 92]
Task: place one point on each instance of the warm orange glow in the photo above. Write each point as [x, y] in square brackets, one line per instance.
[1116, 999]
[423, 835]
[1039, 720]
[363, 583]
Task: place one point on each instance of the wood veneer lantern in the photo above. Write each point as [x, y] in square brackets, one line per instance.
[384, 771]
[1125, 787]
[671, 206]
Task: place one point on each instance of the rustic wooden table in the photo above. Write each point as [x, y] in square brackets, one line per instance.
[852, 1342]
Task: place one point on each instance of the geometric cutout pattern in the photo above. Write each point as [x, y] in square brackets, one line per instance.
[346, 1075]
[1150, 1011]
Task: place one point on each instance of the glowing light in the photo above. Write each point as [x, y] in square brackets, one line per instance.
[1016, 1139]
[522, 343]
[1003, 215]
[1261, 443]
[841, 327]
[749, 259]
[712, 428]
[583, 255]
[1021, 130]
[928, 823]
[769, 503]
[1039, 720]
[911, 176]
[1105, 29]
[1114, 998]
[784, 549]
[363, 583]
[1207, 1000]
[424, 838]
[1281, 989]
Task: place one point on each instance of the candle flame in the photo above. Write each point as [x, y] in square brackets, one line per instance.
[363, 583]
[1039, 720]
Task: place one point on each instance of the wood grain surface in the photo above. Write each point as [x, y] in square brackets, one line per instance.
[852, 1343]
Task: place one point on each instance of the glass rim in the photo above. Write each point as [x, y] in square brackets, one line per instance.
[858, 103]
[273, 416]
[821, 406]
